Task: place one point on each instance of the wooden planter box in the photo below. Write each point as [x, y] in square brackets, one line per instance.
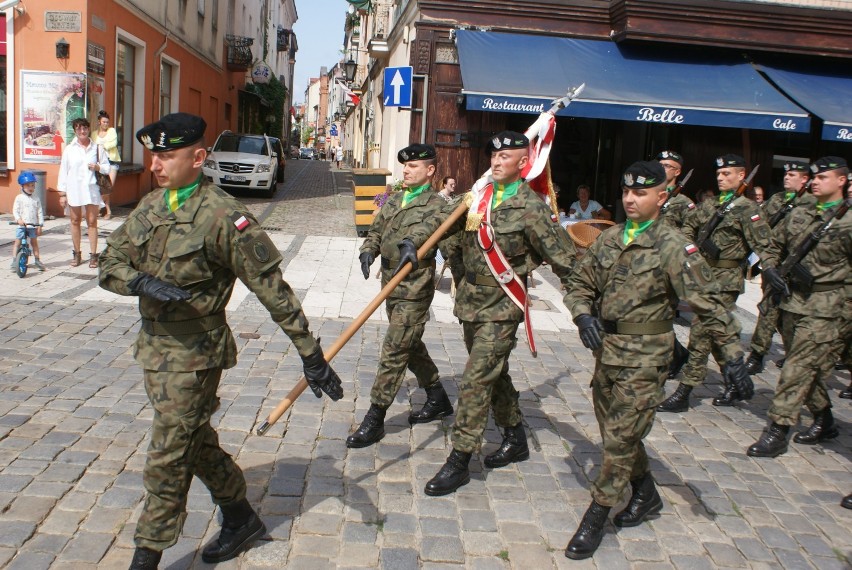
[367, 183]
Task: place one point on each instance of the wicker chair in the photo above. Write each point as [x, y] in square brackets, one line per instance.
[585, 232]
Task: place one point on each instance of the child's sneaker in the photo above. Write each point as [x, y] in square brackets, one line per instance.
[39, 265]
[12, 265]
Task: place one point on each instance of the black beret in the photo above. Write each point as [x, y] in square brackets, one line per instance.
[827, 163]
[670, 155]
[416, 151]
[644, 174]
[507, 140]
[175, 130]
[795, 166]
[730, 160]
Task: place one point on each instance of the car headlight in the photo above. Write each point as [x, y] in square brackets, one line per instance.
[211, 164]
[264, 167]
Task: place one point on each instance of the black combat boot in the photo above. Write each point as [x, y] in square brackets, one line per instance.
[679, 358]
[451, 476]
[371, 430]
[513, 449]
[145, 559]
[240, 528]
[847, 393]
[754, 364]
[822, 429]
[646, 501]
[846, 503]
[589, 534]
[437, 406]
[677, 402]
[772, 443]
[729, 396]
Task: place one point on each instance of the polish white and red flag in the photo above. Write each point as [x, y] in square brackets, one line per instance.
[351, 96]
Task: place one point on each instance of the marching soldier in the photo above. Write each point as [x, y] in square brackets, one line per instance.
[844, 342]
[402, 225]
[674, 213]
[810, 320]
[635, 273]
[741, 231]
[510, 226]
[180, 251]
[796, 175]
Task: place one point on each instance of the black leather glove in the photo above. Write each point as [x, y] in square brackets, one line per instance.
[150, 286]
[737, 374]
[773, 280]
[590, 331]
[320, 376]
[367, 260]
[407, 252]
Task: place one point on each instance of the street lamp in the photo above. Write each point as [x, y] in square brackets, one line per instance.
[337, 115]
[349, 69]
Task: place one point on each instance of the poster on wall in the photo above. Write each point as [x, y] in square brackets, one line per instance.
[95, 96]
[49, 102]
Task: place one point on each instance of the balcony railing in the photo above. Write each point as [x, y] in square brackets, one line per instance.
[239, 56]
[283, 43]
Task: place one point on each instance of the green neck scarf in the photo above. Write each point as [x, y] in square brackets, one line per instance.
[633, 229]
[670, 189]
[503, 192]
[412, 193]
[176, 197]
[723, 197]
[789, 196]
[823, 206]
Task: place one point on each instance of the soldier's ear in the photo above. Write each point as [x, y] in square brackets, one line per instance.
[199, 155]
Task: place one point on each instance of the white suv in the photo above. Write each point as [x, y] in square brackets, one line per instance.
[253, 162]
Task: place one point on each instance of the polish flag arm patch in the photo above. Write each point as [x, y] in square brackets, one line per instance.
[690, 249]
[691, 206]
[240, 221]
[755, 218]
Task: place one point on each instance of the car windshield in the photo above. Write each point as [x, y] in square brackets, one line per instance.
[236, 143]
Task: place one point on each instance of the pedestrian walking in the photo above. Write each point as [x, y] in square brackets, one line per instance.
[811, 309]
[338, 156]
[725, 247]
[180, 251]
[403, 224]
[632, 272]
[508, 223]
[108, 139]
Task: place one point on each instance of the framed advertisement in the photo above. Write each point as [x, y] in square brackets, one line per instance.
[49, 102]
[94, 96]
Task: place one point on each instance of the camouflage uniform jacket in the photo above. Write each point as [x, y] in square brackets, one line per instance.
[642, 282]
[776, 202]
[198, 248]
[527, 234]
[676, 211]
[742, 231]
[828, 262]
[417, 222]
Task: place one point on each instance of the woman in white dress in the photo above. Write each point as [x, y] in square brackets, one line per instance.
[78, 188]
[586, 209]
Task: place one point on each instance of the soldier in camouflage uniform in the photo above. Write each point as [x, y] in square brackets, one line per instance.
[810, 320]
[403, 224]
[674, 213]
[181, 251]
[636, 272]
[742, 231]
[796, 175]
[527, 232]
[844, 342]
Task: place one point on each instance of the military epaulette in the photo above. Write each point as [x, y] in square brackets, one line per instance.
[240, 221]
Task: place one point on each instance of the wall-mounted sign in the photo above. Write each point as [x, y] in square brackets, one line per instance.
[63, 21]
[95, 56]
[49, 102]
[261, 73]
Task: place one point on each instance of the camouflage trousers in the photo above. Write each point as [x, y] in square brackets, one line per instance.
[701, 345]
[761, 339]
[843, 346]
[183, 444]
[403, 348]
[809, 345]
[625, 401]
[486, 383]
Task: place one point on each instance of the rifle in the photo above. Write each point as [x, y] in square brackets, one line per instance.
[431, 242]
[788, 205]
[704, 243]
[792, 269]
[678, 187]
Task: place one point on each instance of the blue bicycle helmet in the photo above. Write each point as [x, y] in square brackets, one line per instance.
[26, 177]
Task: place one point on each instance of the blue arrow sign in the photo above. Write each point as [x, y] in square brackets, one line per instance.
[397, 88]
[333, 131]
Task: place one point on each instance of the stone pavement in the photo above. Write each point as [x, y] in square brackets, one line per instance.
[74, 419]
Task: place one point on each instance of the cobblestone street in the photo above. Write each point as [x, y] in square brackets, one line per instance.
[74, 421]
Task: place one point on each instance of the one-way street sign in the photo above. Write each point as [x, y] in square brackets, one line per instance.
[397, 87]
